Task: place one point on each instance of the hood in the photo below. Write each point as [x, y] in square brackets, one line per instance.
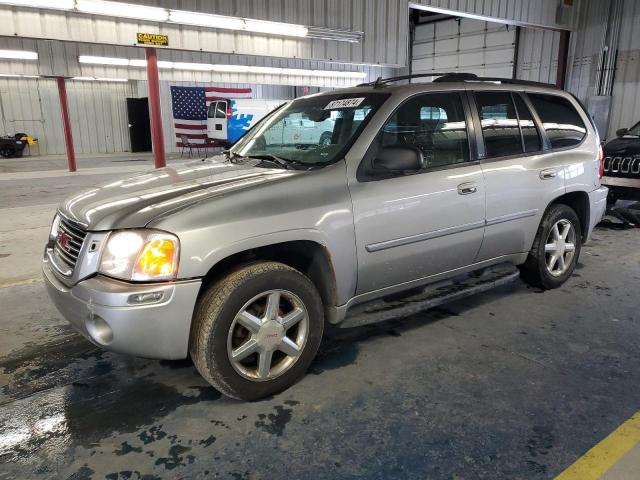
[136, 200]
[622, 146]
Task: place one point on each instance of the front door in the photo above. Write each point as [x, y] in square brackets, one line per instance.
[413, 225]
[217, 121]
[139, 126]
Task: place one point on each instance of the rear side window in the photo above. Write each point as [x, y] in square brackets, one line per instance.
[560, 120]
[530, 135]
[499, 123]
[433, 122]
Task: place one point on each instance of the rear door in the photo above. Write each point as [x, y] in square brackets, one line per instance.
[521, 174]
[412, 225]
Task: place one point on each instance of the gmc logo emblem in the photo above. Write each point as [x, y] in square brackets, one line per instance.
[64, 240]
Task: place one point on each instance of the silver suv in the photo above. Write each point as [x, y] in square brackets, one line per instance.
[240, 260]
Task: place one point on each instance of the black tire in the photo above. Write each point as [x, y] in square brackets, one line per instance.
[216, 310]
[534, 271]
[325, 138]
[7, 151]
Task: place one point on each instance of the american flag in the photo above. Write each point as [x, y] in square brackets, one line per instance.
[190, 105]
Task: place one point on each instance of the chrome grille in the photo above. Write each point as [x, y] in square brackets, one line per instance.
[622, 166]
[68, 243]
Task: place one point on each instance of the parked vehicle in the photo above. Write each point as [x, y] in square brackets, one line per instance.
[11, 146]
[622, 164]
[228, 120]
[240, 260]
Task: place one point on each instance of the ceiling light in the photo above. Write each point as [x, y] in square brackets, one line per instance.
[206, 20]
[208, 67]
[99, 79]
[56, 5]
[103, 60]
[117, 9]
[275, 28]
[18, 54]
[9, 75]
[202, 67]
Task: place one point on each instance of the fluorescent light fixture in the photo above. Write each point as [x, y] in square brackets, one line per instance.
[275, 28]
[99, 79]
[209, 67]
[201, 67]
[104, 60]
[18, 55]
[118, 9]
[15, 75]
[205, 20]
[49, 4]
[183, 17]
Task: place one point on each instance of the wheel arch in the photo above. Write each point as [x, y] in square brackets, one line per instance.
[307, 256]
[579, 202]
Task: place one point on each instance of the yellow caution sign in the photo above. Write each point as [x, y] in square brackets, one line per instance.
[154, 39]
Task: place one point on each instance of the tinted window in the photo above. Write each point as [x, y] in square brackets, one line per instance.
[530, 135]
[499, 123]
[435, 123]
[560, 120]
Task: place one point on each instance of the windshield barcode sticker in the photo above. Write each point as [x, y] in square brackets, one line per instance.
[344, 103]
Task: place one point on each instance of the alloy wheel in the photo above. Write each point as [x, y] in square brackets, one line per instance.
[560, 247]
[268, 335]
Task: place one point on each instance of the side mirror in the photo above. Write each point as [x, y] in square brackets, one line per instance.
[398, 158]
[621, 132]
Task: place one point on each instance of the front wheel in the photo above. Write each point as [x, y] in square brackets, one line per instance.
[257, 330]
[555, 250]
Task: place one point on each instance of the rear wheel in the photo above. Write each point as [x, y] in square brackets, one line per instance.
[555, 250]
[325, 138]
[257, 330]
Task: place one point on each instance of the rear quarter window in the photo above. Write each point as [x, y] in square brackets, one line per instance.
[561, 121]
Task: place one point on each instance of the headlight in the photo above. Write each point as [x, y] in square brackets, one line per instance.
[140, 255]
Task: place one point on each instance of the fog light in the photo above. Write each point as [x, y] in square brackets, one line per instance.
[143, 298]
[99, 330]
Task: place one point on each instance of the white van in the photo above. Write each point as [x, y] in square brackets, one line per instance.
[229, 119]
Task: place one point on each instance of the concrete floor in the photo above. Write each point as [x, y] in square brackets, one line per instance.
[513, 384]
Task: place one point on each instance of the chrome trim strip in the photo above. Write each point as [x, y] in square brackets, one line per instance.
[635, 166]
[626, 165]
[511, 216]
[397, 242]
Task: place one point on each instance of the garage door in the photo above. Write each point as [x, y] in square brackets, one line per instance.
[464, 45]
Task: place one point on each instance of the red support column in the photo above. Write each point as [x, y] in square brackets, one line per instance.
[66, 124]
[157, 138]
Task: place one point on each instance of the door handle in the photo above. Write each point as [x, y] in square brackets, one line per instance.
[548, 173]
[467, 188]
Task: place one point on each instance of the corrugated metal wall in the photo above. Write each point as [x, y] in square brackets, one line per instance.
[587, 44]
[97, 110]
[537, 12]
[625, 107]
[538, 55]
[383, 22]
[465, 45]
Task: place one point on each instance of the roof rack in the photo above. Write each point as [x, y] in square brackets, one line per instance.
[454, 77]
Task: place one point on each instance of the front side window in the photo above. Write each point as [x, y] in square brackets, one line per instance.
[499, 122]
[221, 110]
[560, 120]
[313, 131]
[433, 122]
[635, 130]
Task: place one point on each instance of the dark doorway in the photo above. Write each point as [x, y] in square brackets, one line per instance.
[139, 127]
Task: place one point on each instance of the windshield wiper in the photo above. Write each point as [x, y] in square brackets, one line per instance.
[283, 162]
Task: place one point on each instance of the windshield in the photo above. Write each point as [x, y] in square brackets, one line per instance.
[311, 131]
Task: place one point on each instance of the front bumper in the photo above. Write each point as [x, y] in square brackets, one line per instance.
[598, 206]
[99, 309]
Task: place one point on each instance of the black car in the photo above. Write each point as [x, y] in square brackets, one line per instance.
[622, 164]
[12, 146]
